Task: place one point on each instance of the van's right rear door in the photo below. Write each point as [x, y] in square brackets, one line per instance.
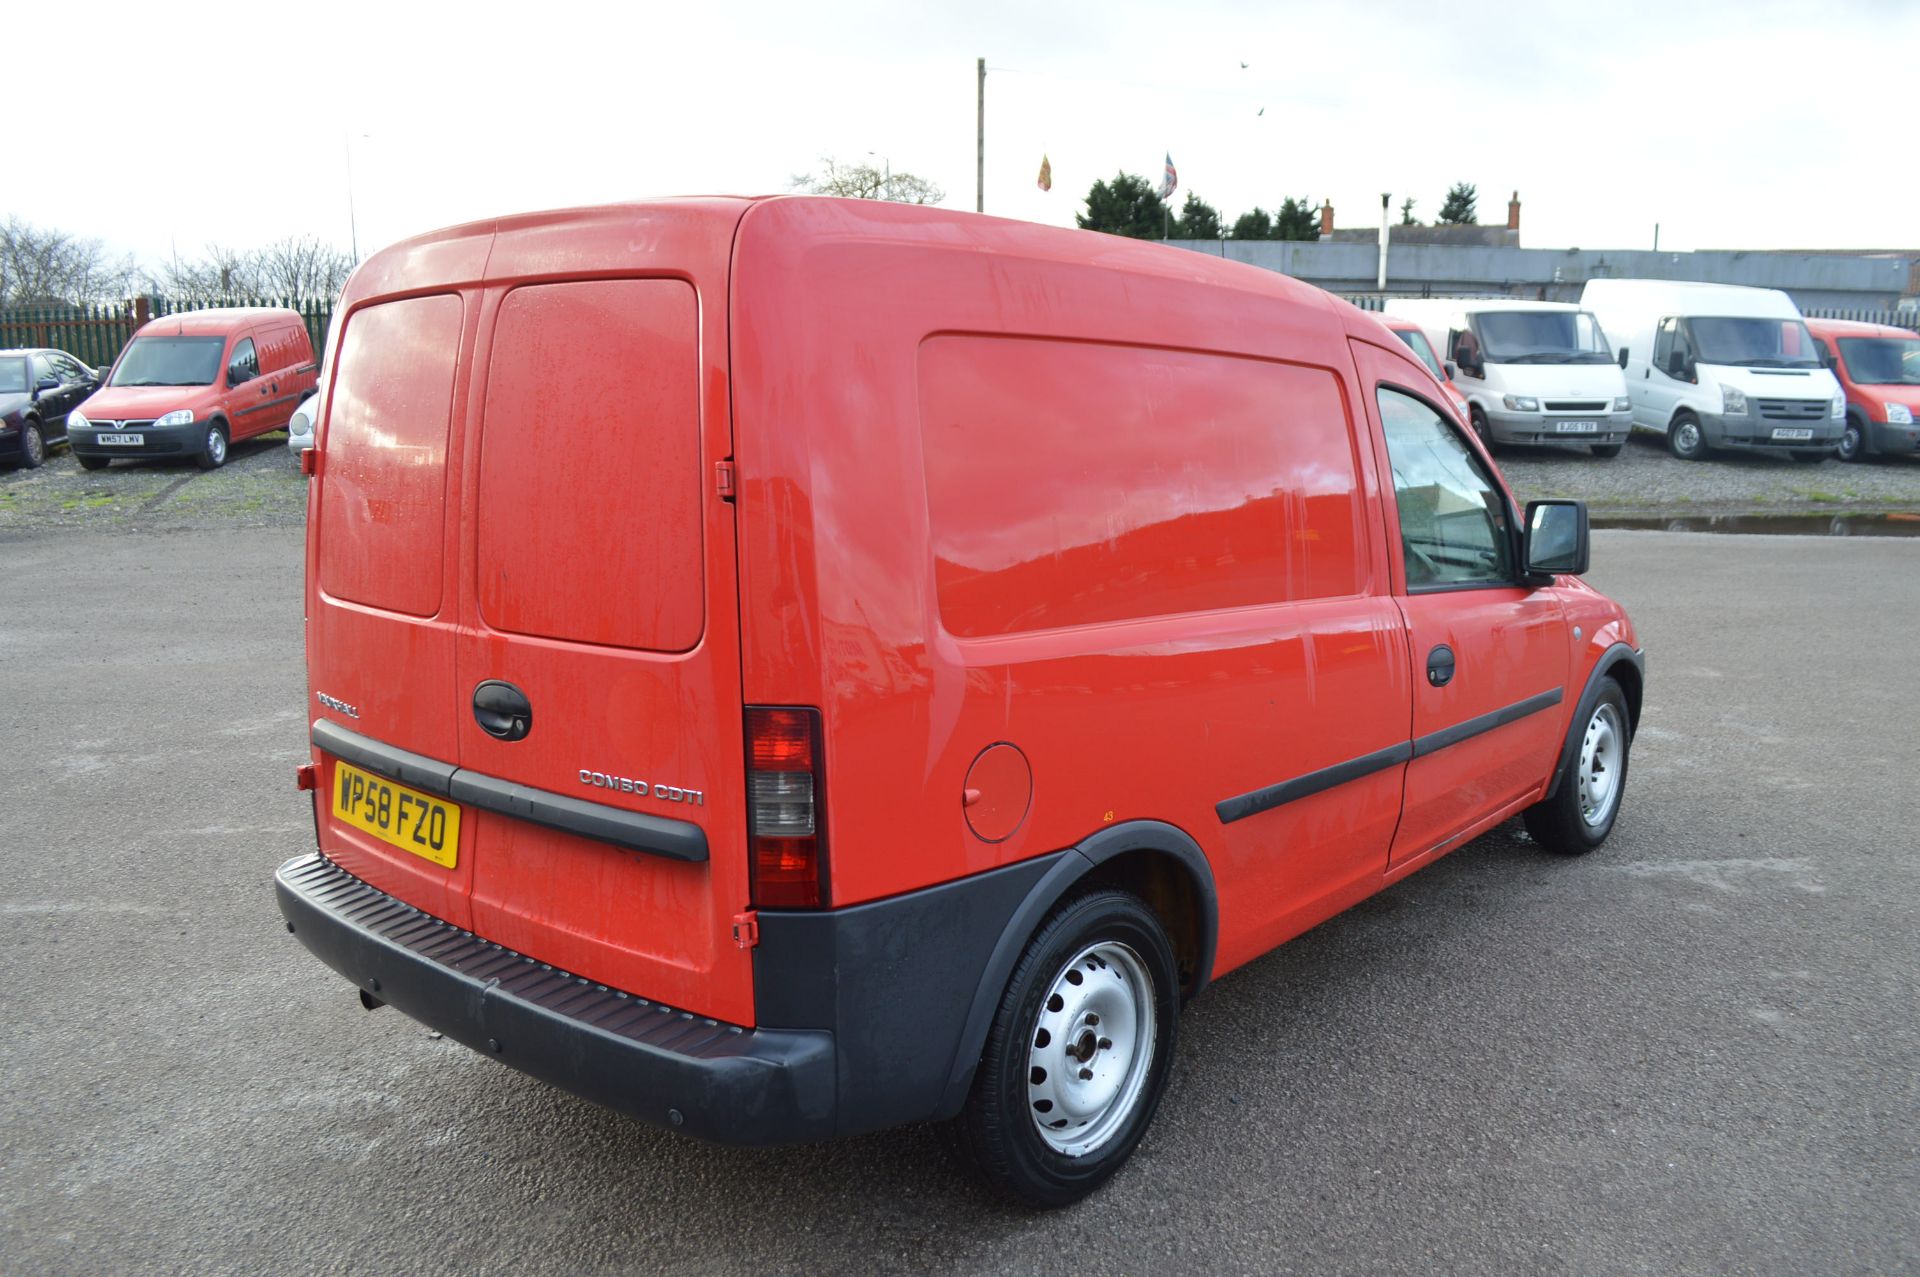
[599, 589]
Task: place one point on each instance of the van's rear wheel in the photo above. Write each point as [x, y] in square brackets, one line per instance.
[1581, 812]
[1685, 439]
[1078, 1053]
[91, 463]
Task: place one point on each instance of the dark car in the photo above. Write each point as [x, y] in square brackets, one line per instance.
[38, 388]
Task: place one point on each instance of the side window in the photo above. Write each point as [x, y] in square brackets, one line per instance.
[69, 370]
[244, 357]
[43, 369]
[1663, 345]
[1454, 528]
[1682, 349]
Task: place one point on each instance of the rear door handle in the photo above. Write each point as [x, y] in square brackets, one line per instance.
[1440, 666]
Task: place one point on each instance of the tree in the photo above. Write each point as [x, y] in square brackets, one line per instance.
[1296, 220]
[1255, 225]
[1198, 220]
[867, 182]
[39, 265]
[1125, 206]
[302, 266]
[1406, 212]
[1459, 208]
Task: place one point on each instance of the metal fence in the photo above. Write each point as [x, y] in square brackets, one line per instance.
[94, 334]
[1892, 318]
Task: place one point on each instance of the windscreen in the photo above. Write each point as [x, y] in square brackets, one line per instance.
[170, 361]
[1745, 342]
[1417, 342]
[1541, 337]
[13, 376]
[1871, 361]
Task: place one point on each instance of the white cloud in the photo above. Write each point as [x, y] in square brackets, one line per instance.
[1737, 125]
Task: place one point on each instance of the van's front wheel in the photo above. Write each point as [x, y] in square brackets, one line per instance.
[1685, 438]
[1582, 811]
[1077, 1057]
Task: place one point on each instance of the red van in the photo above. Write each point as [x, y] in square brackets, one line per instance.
[784, 668]
[1415, 337]
[1879, 370]
[188, 385]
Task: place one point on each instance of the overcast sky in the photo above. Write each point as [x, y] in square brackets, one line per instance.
[1746, 125]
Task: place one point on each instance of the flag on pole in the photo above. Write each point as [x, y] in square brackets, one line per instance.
[1046, 173]
[1171, 181]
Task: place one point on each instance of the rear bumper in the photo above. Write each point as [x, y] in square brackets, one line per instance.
[685, 1072]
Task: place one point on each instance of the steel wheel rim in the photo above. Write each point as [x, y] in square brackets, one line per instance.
[1092, 1049]
[1687, 436]
[36, 446]
[1849, 442]
[216, 445]
[1602, 751]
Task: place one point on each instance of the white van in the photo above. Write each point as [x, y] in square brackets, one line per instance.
[1720, 366]
[1532, 372]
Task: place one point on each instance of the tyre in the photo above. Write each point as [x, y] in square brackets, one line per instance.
[213, 449]
[33, 446]
[1811, 456]
[1685, 439]
[1582, 811]
[91, 463]
[1853, 440]
[1077, 1057]
[1478, 419]
[1606, 450]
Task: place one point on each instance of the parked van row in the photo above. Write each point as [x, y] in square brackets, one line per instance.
[919, 693]
[187, 385]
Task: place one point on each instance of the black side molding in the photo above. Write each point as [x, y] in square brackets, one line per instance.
[1446, 736]
[1268, 797]
[1271, 796]
[636, 831]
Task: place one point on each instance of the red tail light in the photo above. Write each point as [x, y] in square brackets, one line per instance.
[786, 829]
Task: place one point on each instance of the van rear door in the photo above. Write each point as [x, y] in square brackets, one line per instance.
[599, 717]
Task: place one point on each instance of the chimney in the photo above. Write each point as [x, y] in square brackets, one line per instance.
[1513, 212]
[1326, 220]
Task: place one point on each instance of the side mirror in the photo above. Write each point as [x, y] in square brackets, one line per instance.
[1453, 369]
[1623, 357]
[1557, 539]
[46, 383]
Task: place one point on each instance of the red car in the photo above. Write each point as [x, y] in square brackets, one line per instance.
[785, 668]
[1410, 332]
[1879, 369]
[188, 385]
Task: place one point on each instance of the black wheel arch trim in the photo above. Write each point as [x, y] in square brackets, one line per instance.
[1072, 866]
[1610, 660]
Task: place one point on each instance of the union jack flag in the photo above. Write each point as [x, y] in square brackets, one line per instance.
[1170, 182]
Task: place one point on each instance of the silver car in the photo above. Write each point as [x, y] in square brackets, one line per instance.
[300, 429]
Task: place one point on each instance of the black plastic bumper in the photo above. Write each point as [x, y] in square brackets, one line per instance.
[158, 441]
[699, 1076]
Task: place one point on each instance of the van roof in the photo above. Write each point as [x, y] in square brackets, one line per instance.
[1689, 297]
[1857, 328]
[605, 230]
[216, 321]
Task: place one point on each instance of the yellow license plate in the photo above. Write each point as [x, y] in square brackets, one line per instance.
[406, 818]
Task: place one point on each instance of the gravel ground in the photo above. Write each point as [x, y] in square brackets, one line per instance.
[1646, 479]
[261, 487]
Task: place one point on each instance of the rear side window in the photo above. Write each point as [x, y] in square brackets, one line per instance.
[590, 492]
[1453, 519]
[1070, 483]
[383, 489]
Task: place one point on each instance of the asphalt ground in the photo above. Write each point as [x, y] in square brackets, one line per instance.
[1691, 1052]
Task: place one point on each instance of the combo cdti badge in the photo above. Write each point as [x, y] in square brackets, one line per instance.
[785, 668]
